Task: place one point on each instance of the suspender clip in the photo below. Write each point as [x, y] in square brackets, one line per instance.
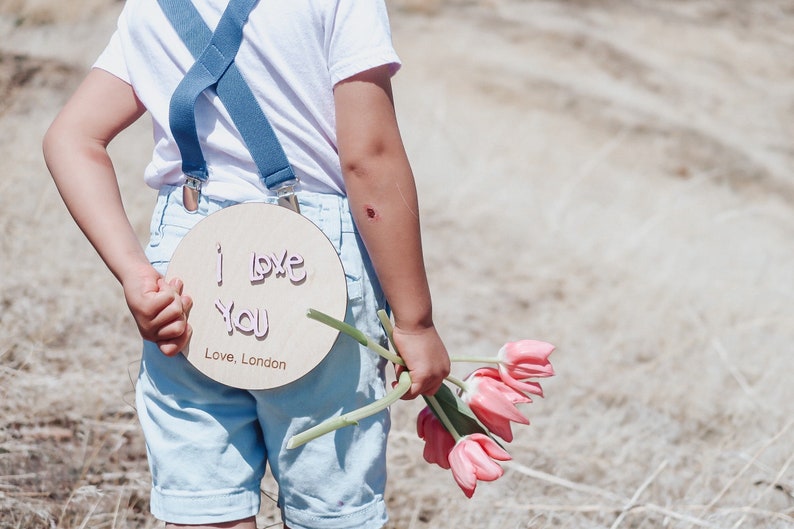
[191, 190]
[287, 197]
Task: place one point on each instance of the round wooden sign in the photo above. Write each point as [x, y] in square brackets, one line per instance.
[253, 270]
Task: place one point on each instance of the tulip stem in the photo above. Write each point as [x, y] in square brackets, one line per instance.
[352, 418]
[458, 382]
[477, 359]
[387, 326]
[354, 333]
[433, 402]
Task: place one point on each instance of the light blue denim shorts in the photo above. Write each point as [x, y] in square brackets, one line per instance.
[209, 444]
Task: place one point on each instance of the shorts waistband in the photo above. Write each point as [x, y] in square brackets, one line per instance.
[315, 206]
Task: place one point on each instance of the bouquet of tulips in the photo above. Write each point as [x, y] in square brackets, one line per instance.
[458, 427]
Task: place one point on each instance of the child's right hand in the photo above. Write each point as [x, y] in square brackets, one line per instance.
[425, 357]
[159, 308]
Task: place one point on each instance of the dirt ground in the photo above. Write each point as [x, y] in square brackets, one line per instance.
[615, 177]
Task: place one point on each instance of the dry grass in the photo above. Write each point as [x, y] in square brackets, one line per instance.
[614, 177]
[47, 12]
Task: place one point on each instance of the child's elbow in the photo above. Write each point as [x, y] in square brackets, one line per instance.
[366, 161]
[359, 169]
[49, 142]
[61, 142]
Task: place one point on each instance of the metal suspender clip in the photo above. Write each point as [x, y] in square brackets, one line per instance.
[190, 192]
[286, 195]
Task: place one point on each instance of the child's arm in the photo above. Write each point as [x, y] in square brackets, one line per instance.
[76, 155]
[382, 194]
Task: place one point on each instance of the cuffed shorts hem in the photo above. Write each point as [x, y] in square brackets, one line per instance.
[372, 516]
[214, 507]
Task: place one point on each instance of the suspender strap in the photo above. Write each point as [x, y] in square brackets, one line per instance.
[205, 72]
[215, 66]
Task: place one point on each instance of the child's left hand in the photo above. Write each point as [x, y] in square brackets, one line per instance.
[159, 308]
[181, 327]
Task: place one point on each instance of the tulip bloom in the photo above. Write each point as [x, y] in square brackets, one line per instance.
[438, 441]
[494, 402]
[525, 359]
[472, 459]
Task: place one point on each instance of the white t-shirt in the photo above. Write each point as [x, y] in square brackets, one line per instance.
[293, 53]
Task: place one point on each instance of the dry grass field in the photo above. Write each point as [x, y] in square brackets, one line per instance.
[612, 176]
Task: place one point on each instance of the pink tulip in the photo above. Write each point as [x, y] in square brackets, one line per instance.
[438, 441]
[524, 359]
[472, 459]
[494, 402]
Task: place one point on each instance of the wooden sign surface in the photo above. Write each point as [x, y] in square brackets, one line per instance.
[253, 270]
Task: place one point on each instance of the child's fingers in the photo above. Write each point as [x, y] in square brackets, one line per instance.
[165, 314]
[162, 316]
[165, 321]
[176, 345]
[177, 285]
[187, 304]
[168, 348]
[151, 305]
[179, 305]
[172, 289]
[171, 330]
[423, 381]
[423, 384]
[172, 321]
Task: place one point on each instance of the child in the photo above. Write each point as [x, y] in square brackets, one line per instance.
[321, 72]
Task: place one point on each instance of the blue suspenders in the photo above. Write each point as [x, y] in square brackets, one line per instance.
[215, 68]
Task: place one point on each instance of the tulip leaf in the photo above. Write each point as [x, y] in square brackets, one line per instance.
[458, 412]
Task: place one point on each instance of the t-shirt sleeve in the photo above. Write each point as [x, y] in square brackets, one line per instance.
[358, 38]
[112, 59]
